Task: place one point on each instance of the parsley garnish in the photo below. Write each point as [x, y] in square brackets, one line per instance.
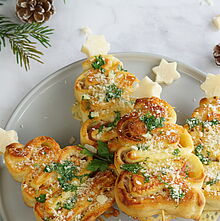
[176, 152]
[112, 92]
[133, 168]
[204, 159]
[193, 122]
[120, 68]
[69, 204]
[97, 64]
[147, 178]
[101, 160]
[41, 198]
[213, 181]
[176, 194]
[67, 171]
[97, 164]
[112, 124]
[152, 122]
[89, 116]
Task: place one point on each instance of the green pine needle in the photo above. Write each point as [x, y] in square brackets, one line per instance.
[20, 37]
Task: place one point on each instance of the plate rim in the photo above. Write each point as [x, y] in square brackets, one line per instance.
[54, 74]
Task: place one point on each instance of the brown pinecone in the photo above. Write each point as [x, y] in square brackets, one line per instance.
[216, 54]
[34, 10]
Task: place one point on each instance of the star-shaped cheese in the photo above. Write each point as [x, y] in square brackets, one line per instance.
[211, 85]
[166, 72]
[95, 45]
[6, 138]
[216, 21]
[147, 88]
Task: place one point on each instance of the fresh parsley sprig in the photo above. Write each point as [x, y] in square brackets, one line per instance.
[20, 38]
[102, 158]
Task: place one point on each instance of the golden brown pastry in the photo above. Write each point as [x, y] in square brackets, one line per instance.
[107, 129]
[172, 184]
[61, 184]
[20, 159]
[103, 87]
[40, 182]
[204, 127]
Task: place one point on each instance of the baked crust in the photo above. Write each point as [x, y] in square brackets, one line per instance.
[204, 127]
[20, 159]
[58, 184]
[103, 90]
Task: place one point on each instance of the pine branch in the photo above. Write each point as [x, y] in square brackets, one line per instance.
[20, 38]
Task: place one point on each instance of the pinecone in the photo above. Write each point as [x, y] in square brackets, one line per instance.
[216, 54]
[34, 10]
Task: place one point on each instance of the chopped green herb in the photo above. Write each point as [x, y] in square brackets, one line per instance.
[176, 152]
[87, 152]
[97, 164]
[112, 124]
[90, 199]
[70, 203]
[120, 68]
[67, 171]
[176, 194]
[152, 122]
[147, 178]
[46, 218]
[134, 168]
[99, 61]
[213, 181]
[102, 159]
[103, 151]
[193, 122]
[142, 147]
[89, 116]
[41, 198]
[112, 92]
[204, 159]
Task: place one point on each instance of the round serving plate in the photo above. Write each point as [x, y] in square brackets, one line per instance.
[46, 110]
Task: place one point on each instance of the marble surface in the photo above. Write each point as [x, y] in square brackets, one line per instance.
[178, 29]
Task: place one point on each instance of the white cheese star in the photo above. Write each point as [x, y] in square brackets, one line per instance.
[216, 21]
[95, 45]
[6, 138]
[147, 88]
[211, 85]
[166, 72]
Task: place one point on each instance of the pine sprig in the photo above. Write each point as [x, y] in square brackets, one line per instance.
[21, 36]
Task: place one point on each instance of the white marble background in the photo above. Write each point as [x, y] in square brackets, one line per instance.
[178, 29]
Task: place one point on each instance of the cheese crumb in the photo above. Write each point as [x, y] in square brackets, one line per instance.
[86, 30]
[101, 199]
[211, 85]
[6, 138]
[95, 45]
[166, 72]
[147, 88]
[90, 148]
[216, 21]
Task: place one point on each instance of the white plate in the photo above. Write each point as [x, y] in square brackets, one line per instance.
[46, 110]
